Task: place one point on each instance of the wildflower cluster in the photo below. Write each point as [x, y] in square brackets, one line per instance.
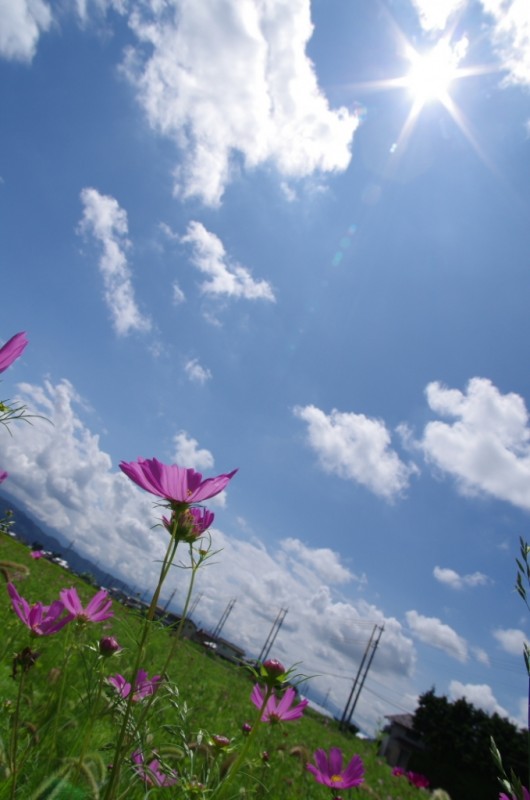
[414, 778]
[110, 718]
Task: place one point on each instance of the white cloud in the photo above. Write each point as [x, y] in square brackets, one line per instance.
[178, 295]
[225, 276]
[189, 454]
[231, 82]
[323, 561]
[455, 581]
[432, 631]
[59, 471]
[356, 448]
[435, 14]
[479, 695]
[195, 372]
[21, 24]
[511, 640]
[487, 448]
[107, 223]
[511, 37]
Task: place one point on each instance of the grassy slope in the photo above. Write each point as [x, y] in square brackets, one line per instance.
[216, 692]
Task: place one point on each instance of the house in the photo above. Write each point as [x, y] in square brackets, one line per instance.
[400, 740]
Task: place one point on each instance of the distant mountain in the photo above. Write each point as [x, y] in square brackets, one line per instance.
[32, 533]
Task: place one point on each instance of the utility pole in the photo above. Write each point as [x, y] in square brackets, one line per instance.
[359, 681]
[273, 633]
[372, 654]
[171, 596]
[224, 617]
[194, 604]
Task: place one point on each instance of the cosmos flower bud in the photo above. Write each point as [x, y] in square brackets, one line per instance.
[108, 645]
[274, 668]
[220, 741]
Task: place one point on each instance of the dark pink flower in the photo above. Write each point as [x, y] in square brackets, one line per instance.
[108, 645]
[192, 524]
[151, 773]
[3, 475]
[329, 772]
[12, 349]
[526, 795]
[41, 620]
[173, 483]
[418, 780]
[278, 710]
[97, 610]
[144, 685]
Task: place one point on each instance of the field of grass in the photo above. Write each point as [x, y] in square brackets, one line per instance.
[202, 696]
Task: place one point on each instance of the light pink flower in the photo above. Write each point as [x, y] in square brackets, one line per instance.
[37, 554]
[173, 483]
[144, 685]
[151, 773]
[278, 710]
[41, 620]
[329, 772]
[12, 349]
[97, 610]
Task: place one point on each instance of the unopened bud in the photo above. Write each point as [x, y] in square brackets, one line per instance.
[108, 645]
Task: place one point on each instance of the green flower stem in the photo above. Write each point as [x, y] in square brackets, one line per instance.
[166, 565]
[14, 737]
[220, 792]
[62, 685]
[92, 718]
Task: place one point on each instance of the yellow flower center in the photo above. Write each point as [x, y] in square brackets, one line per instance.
[336, 778]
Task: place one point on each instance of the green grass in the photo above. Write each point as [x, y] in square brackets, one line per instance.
[213, 698]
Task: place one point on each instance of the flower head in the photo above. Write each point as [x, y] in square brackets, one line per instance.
[329, 772]
[41, 620]
[144, 685]
[278, 710]
[12, 349]
[151, 773]
[108, 645]
[37, 554]
[526, 795]
[191, 524]
[3, 475]
[418, 780]
[175, 484]
[97, 610]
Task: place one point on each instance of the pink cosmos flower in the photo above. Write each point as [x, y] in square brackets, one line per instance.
[192, 524]
[173, 483]
[278, 710]
[41, 620]
[418, 780]
[12, 349]
[151, 773]
[144, 685]
[526, 795]
[3, 475]
[97, 609]
[37, 554]
[329, 772]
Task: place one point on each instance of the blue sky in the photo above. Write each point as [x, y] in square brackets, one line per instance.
[243, 234]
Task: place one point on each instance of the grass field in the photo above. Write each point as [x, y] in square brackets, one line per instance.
[202, 696]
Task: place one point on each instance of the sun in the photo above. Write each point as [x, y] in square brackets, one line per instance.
[431, 74]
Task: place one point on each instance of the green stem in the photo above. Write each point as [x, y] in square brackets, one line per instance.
[62, 685]
[119, 750]
[14, 737]
[220, 792]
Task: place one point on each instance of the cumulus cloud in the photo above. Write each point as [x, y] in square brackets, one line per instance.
[225, 277]
[189, 454]
[455, 581]
[432, 631]
[356, 448]
[64, 478]
[231, 82]
[511, 37]
[479, 695]
[106, 221]
[511, 640]
[21, 24]
[435, 14]
[487, 448]
[196, 372]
